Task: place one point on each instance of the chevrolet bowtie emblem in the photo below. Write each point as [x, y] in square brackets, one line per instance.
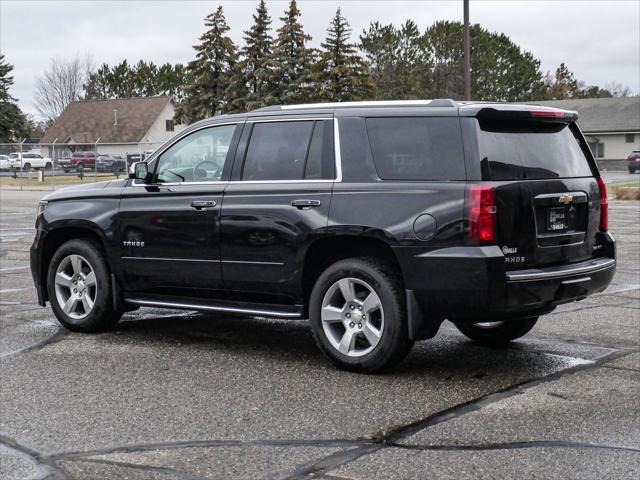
[566, 199]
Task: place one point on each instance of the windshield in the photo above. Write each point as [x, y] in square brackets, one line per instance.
[14, 155]
[512, 150]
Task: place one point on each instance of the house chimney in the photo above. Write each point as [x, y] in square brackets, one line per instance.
[115, 117]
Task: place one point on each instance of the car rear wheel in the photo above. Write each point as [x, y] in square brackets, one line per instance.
[358, 315]
[495, 333]
[26, 166]
[48, 166]
[79, 287]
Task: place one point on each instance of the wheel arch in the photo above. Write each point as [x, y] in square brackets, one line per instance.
[60, 234]
[327, 250]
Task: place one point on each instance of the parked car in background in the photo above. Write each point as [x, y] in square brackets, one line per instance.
[4, 162]
[111, 163]
[85, 159]
[27, 161]
[634, 161]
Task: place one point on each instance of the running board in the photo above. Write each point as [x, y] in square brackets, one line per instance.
[279, 311]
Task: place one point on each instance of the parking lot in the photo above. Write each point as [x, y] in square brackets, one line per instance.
[180, 395]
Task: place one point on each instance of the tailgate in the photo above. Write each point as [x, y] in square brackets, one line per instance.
[547, 222]
[547, 196]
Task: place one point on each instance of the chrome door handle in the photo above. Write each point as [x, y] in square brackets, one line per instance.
[203, 204]
[305, 204]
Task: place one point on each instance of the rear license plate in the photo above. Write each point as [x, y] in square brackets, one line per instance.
[557, 219]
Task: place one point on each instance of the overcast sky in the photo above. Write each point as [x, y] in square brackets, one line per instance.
[598, 40]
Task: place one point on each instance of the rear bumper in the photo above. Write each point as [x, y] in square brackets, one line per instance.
[472, 282]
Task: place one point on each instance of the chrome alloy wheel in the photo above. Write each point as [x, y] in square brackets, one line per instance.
[76, 287]
[488, 325]
[352, 317]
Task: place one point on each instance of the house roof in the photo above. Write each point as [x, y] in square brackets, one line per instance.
[86, 121]
[619, 114]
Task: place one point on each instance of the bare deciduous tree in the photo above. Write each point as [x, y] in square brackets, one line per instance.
[60, 85]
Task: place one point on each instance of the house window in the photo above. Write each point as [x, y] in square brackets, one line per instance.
[169, 125]
[629, 138]
[600, 152]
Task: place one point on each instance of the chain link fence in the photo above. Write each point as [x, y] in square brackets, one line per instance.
[47, 166]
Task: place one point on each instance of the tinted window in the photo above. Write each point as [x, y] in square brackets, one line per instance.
[417, 148]
[525, 150]
[277, 151]
[320, 160]
[197, 157]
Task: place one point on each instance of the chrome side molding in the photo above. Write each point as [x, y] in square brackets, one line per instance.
[258, 312]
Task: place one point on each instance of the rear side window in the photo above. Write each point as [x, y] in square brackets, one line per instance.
[289, 151]
[513, 150]
[417, 148]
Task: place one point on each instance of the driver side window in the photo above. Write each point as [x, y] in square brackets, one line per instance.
[198, 157]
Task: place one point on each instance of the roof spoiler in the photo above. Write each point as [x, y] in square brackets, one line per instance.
[533, 113]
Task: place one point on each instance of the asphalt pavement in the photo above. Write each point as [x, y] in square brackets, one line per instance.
[182, 395]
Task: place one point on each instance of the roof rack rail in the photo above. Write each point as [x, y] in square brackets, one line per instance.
[269, 108]
[440, 102]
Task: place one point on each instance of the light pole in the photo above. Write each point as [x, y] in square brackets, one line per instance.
[467, 53]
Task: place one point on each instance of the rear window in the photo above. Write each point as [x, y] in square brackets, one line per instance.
[513, 150]
[416, 148]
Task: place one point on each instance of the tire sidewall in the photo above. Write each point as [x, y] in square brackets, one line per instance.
[392, 306]
[102, 309]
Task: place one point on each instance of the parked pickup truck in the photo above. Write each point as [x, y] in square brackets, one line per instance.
[27, 161]
[85, 159]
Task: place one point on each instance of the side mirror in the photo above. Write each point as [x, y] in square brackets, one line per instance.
[138, 171]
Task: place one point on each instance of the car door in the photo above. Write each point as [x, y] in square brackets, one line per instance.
[169, 226]
[275, 205]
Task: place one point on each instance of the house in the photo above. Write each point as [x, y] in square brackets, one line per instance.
[123, 126]
[610, 125]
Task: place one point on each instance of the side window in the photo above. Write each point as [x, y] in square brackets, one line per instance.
[277, 151]
[416, 148]
[320, 160]
[198, 157]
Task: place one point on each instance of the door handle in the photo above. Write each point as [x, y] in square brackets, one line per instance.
[203, 204]
[305, 204]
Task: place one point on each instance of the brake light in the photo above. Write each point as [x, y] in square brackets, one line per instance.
[604, 206]
[548, 113]
[482, 214]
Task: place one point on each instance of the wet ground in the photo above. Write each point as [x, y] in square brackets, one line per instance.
[180, 395]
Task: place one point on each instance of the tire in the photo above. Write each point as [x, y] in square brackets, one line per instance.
[26, 166]
[48, 166]
[386, 325]
[73, 261]
[498, 334]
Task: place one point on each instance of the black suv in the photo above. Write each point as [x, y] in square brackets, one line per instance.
[376, 220]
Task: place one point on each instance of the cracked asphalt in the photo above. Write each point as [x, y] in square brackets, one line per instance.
[181, 395]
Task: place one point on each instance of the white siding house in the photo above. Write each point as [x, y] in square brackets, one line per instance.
[610, 125]
[124, 126]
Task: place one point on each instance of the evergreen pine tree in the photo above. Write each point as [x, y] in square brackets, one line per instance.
[341, 74]
[252, 82]
[13, 123]
[210, 72]
[292, 61]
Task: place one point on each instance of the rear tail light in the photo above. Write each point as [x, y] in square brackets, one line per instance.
[482, 212]
[604, 206]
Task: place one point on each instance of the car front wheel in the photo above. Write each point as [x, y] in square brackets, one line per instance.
[496, 333]
[79, 287]
[358, 315]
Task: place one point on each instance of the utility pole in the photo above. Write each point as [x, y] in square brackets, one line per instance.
[467, 53]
